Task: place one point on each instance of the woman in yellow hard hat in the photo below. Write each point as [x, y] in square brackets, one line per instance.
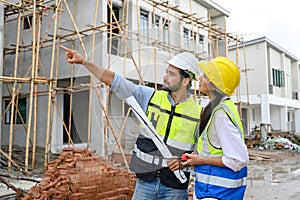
[221, 161]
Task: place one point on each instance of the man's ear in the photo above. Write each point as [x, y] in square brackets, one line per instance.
[186, 81]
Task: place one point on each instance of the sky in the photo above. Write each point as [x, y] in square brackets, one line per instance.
[279, 21]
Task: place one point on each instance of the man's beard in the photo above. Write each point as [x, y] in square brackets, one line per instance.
[166, 89]
[173, 88]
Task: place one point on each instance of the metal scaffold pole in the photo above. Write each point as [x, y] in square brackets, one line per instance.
[32, 79]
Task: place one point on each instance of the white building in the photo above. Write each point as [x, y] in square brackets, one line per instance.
[269, 89]
[55, 98]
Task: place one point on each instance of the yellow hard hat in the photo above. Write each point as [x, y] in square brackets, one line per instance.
[222, 72]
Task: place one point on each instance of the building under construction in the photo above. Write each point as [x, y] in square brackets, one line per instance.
[52, 104]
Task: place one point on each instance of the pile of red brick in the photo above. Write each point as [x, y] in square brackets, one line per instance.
[80, 174]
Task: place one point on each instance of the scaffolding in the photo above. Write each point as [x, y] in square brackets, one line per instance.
[29, 15]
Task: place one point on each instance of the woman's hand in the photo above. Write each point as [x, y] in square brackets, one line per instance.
[192, 159]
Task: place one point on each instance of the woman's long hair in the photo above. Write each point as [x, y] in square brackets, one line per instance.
[206, 114]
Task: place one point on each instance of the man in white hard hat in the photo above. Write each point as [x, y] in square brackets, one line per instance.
[172, 111]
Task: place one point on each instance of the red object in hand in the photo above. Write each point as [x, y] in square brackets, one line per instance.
[184, 157]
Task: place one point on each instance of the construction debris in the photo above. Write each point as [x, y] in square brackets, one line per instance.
[276, 140]
[80, 174]
[18, 159]
[279, 143]
[19, 192]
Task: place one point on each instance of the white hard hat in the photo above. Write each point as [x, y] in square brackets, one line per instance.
[187, 62]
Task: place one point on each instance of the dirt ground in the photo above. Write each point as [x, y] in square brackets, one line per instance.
[272, 174]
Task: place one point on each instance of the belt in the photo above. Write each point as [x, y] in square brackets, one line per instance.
[158, 174]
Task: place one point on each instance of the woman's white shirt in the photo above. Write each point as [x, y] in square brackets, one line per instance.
[224, 134]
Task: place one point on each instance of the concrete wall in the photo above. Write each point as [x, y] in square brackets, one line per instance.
[275, 119]
[276, 61]
[152, 68]
[295, 80]
[256, 63]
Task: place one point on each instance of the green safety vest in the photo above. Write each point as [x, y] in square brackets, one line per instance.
[230, 108]
[176, 124]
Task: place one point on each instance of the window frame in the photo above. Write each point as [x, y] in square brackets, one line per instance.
[278, 77]
[22, 108]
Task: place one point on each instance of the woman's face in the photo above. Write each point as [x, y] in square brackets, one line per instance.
[204, 84]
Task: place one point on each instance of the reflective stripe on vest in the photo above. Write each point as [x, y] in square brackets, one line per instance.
[150, 158]
[154, 159]
[176, 124]
[220, 181]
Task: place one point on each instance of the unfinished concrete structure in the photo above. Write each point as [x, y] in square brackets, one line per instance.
[49, 103]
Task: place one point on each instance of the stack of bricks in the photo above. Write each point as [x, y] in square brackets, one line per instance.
[80, 174]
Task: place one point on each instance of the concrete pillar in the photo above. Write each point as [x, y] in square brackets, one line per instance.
[283, 118]
[176, 28]
[133, 18]
[57, 127]
[101, 58]
[297, 119]
[1, 56]
[265, 109]
[102, 41]
[98, 122]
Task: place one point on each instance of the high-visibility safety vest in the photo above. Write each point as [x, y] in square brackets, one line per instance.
[176, 125]
[219, 182]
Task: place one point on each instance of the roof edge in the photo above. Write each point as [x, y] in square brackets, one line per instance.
[216, 6]
[270, 43]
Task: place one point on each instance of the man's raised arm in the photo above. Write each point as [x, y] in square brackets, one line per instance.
[104, 75]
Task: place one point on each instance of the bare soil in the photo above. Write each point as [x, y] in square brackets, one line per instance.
[272, 174]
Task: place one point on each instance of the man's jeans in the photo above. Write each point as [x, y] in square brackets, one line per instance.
[147, 190]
